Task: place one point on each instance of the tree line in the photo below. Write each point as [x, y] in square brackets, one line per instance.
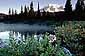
[79, 12]
[68, 14]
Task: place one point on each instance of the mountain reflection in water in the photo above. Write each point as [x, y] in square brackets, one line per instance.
[22, 30]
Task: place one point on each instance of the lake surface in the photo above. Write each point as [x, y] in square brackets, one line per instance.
[23, 29]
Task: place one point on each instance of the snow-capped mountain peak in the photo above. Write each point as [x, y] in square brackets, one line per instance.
[53, 8]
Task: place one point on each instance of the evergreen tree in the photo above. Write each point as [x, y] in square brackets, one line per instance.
[28, 9]
[12, 12]
[25, 9]
[38, 12]
[44, 12]
[84, 8]
[9, 11]
[31, 6]
[15, 12]
[31, 11]
[68, 6]
[48, 14]
[21, 10]
[80, 6]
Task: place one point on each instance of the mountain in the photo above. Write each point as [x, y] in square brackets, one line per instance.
[52, 8]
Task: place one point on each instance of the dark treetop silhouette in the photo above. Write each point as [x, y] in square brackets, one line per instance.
[31, 15]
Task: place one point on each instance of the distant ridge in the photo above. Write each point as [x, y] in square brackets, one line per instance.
[2, 15]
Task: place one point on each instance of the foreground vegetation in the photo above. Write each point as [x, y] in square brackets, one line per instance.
[73, 36]
[31, 47]
[70, 35]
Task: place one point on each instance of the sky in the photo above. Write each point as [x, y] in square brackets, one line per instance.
[16, 4]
